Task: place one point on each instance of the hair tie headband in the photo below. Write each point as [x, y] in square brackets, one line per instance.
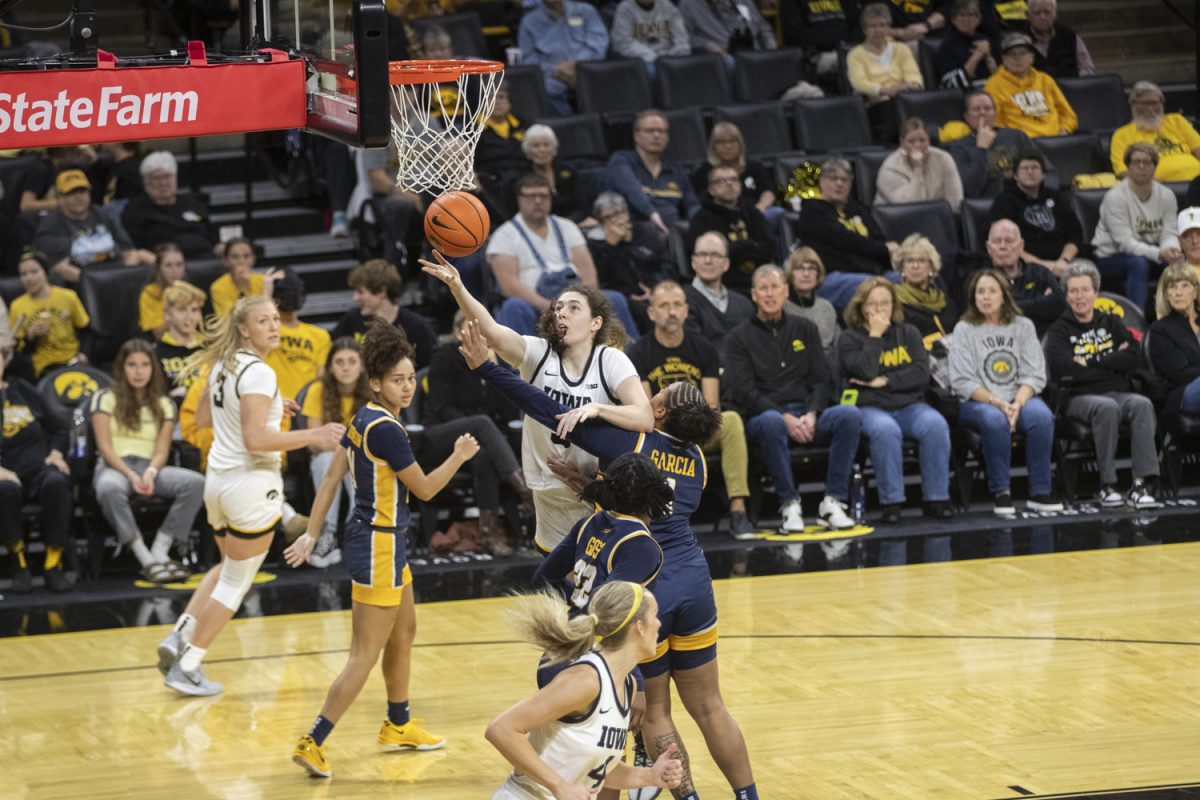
[638, 593]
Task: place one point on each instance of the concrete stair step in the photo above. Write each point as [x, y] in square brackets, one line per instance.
[329, 306]
[266, 222]
[303, 248]
[232, 196]
[218, 167]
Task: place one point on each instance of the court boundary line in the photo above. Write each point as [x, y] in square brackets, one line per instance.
[734, 637]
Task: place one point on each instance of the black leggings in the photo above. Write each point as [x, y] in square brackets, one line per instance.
[47, 487]
[494, 462]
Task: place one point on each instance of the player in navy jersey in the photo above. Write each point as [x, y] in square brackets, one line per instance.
[377, 452]
[687, 647]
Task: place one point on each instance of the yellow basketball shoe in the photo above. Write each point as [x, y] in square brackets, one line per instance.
[409, 736]
[311, 756]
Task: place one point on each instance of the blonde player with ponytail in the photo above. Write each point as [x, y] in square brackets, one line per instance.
[243, 488]
[566, 741]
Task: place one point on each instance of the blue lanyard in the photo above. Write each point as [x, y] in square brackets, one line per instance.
[562, 245]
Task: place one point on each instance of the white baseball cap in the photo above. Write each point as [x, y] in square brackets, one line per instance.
[1189, 218]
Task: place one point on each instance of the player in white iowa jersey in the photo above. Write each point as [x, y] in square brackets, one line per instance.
[576, 360]
[566, 741]
[243, 490]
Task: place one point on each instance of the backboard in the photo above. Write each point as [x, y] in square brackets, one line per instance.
[346, 45]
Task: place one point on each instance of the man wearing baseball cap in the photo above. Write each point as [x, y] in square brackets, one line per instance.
[1189, 236]
[1026, 98]
[79, 234]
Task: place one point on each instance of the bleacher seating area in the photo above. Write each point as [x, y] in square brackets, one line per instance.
[288, 215]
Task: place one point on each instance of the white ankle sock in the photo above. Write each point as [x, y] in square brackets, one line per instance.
[141, 552]
[161, 549]
[186, 625]
[191, 658]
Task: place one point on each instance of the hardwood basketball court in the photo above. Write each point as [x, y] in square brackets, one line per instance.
[1035, 675]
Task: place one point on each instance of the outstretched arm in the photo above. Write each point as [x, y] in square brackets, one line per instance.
[508, 343]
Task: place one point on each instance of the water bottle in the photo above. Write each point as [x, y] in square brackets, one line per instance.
[858, 496]
[78, 434]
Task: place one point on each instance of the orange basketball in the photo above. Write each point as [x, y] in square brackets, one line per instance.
[457, 224]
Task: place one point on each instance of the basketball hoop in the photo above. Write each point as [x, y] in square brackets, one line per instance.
[439, 110]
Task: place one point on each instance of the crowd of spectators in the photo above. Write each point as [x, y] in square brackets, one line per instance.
[814, 329]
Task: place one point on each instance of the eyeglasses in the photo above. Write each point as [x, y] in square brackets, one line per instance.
[808, 267]
[1141, 162]
[718, 181]
[836, 178]
[535, 196]
[708, 255]
[652, 130]
[1033, 167]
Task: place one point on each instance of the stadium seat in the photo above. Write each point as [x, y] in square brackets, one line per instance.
[10, 288]
[580, 138]
[1180, 433]
[1076, 154]
[974, 214]
[110, 295]
[1133, 317]
[1180, 190]
[832, 125]
[763, 126]
[466, 33]
[678, 246]
[932, 219]
[621, 85]
[866, 168]
[934, 108]
[689, 142]
[766, 74]
[1099, 101]
[1087, 207]
[926, 49]
[527, 91]
[1179, 98]
[698, 80]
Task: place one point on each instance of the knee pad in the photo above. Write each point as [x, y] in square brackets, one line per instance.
[235, 579]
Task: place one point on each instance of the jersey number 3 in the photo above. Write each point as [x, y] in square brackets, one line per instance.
[218, 397]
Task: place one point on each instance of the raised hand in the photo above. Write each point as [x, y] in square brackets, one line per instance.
[472, 345]
[443, 270]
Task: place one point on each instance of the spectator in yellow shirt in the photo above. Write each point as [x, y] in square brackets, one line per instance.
[879, 69]
[1174, 138]
[169, 267]
[1028, 99]
[303, 348]
[46, 318]
[241, 280]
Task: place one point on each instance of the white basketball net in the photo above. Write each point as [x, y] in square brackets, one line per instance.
[436, 126]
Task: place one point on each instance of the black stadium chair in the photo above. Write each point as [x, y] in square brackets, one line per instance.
[1179, 98]
[934, 108]
[926, 49]
[1099, 101]
[580, 138]
[932, 219]
[832, 125]
[1086, 203]
[1076, 154]
[766, 74]
[110, 295]
[974, 213]
[688, 142]
[1133, 317]
[466, 33]
[698, 80]
[763, 126]
[866, 168]
[603, 87]
[10, 289]
[527, 91]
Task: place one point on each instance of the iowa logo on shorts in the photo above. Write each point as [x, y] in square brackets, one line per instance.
[273, 494]
[71, 386]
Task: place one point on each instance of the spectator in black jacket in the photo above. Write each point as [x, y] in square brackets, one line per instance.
[163, 216]
[743, 225]
[1175, 337]
[984, 154]
[568, 189]
[32, 469]
[843, 233]
[777, 378]
[1052, 234]
[1099, 355]
[1036, 290]
[713, 310]
[820, 27]
[377, 285]
[625, 262]
[966, 54]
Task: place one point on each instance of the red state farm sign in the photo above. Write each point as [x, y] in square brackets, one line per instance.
[88, 106]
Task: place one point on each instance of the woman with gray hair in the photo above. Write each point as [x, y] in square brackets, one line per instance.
[625, 262]
[163, 216]
[568, 189]
[927, 306]
[1098, 354]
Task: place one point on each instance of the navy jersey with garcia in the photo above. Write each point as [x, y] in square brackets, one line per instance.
[683, 465]
[601, 547]
[379, 448]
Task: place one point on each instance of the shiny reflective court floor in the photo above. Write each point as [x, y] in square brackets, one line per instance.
[1063, 674]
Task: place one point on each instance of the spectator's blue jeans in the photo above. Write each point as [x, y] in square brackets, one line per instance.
[1133, 270]
[1035, 421]
[886, 431]
[522, 316]
[837, 428]
[558, 93]
[1191, 398]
